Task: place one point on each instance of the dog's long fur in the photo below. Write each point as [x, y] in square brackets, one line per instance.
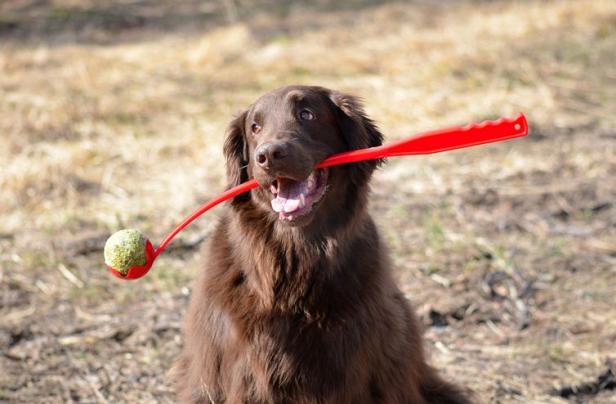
[286, 314]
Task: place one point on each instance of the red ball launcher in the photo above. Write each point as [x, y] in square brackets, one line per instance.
[425, 143]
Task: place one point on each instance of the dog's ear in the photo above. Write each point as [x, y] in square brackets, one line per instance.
[236, 155]
[358, 131]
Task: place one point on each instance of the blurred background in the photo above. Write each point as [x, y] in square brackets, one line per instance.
[112, 115]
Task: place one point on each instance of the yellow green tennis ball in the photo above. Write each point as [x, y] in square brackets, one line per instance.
[125, 249]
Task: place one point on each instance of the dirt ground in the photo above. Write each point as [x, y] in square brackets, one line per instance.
[112, 115]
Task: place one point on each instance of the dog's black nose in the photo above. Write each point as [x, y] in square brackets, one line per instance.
[268, 155]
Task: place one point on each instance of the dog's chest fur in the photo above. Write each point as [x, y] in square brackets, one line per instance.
[291, 309]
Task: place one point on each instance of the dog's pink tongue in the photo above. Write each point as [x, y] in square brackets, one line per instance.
[288, 198]
[278, 204]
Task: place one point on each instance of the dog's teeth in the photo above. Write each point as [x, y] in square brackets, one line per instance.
[273, 189]
[302, 201]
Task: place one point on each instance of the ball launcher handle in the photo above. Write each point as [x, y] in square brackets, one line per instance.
[437, 141]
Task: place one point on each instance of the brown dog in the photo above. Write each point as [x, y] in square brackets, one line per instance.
[297, 303]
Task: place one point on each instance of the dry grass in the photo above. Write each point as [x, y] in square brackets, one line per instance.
[112, 115]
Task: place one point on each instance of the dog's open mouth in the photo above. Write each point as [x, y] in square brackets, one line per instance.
[293, 199]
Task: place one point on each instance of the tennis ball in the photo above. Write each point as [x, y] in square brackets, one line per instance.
[125, 249]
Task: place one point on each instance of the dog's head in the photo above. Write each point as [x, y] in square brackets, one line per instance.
[281, 138]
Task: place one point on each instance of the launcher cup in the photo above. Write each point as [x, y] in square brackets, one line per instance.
[130, 255]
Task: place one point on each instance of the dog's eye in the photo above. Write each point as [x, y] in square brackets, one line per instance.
[306, 115]
[255, 127]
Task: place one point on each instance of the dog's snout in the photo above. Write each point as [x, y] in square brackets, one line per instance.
[268, 155]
